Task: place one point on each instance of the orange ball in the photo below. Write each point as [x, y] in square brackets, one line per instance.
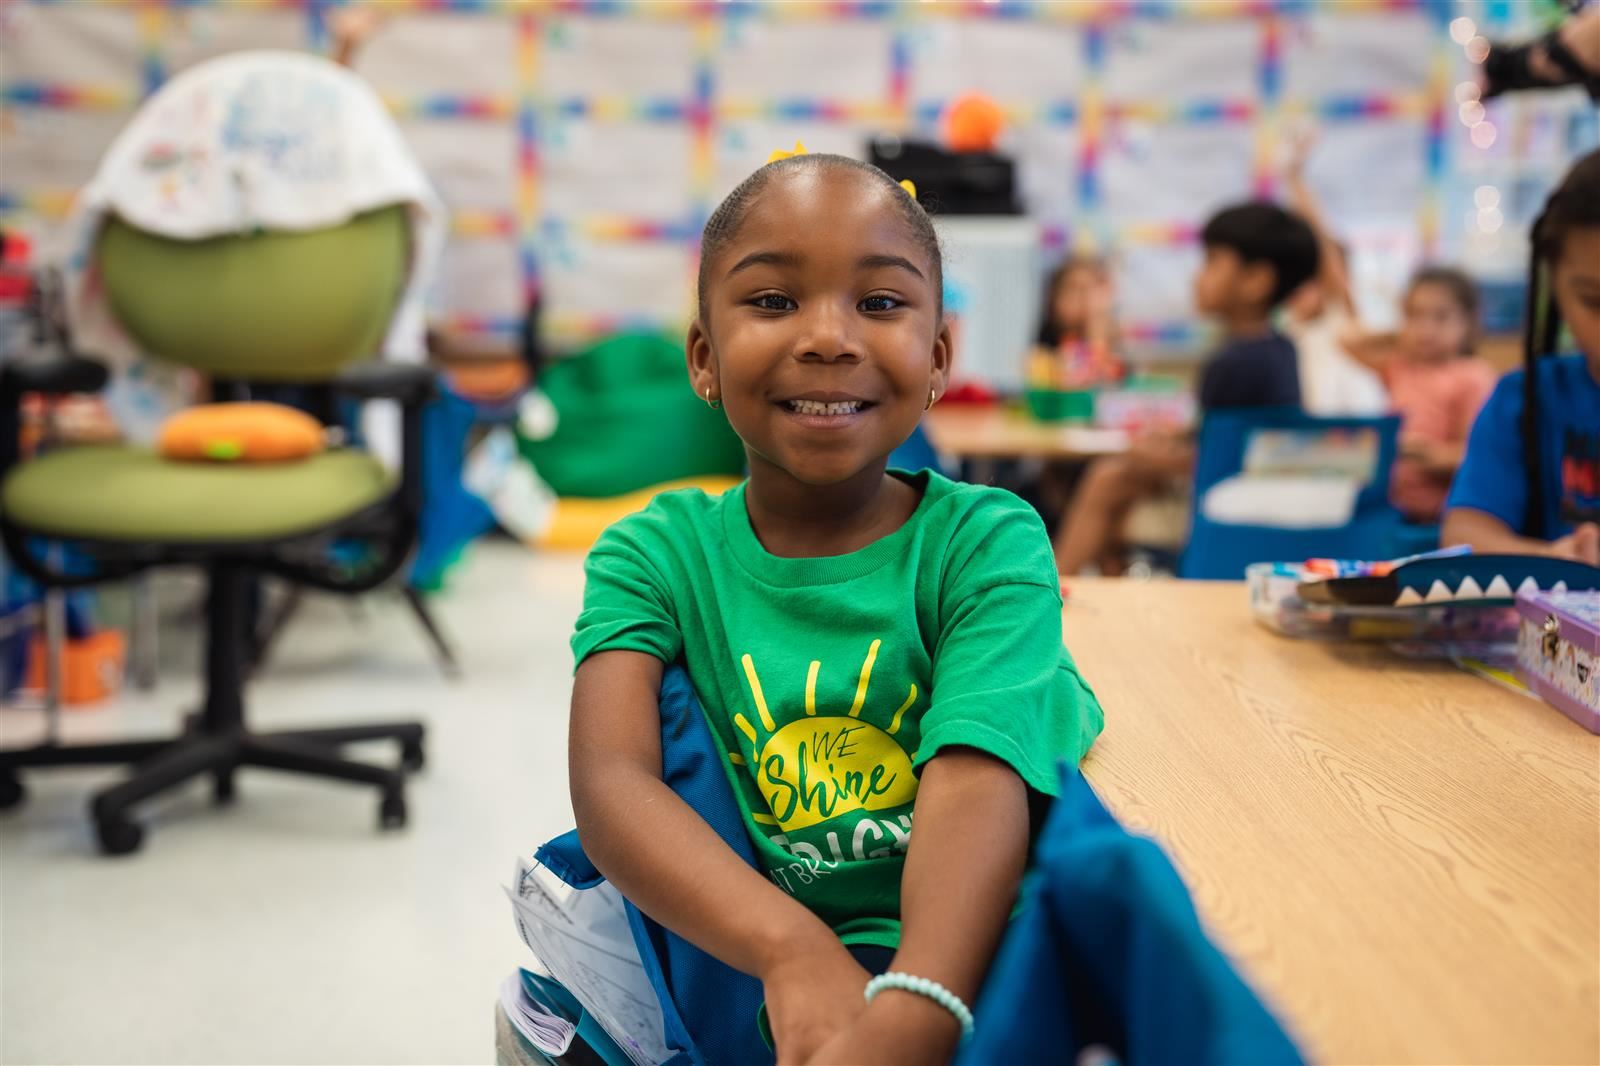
[973, 123]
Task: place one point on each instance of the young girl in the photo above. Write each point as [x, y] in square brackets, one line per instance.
[1435, 382]
[874, 650]
[1077, 340]
[1531, 480]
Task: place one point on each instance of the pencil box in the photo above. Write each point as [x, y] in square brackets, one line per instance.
[1558, 651]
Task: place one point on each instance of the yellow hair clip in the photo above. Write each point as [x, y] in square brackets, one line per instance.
[910, 186]
[799, 149]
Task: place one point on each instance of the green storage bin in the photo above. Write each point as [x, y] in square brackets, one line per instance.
[1061, 405]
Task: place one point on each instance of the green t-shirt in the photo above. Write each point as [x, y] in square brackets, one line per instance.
[829, 682]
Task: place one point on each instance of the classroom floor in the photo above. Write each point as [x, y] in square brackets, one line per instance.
[287, 929]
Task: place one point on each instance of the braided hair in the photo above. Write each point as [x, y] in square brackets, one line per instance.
[1574, 204]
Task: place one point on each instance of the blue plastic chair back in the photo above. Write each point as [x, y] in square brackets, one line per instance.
[709, 1008]
[1220, 551]
[916, 453]
[1107, 951]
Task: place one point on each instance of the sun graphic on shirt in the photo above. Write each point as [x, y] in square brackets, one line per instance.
[825, 765]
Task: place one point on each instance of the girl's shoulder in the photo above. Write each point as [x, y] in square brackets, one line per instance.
[670, 516]
[988, 533]
[1556, 373]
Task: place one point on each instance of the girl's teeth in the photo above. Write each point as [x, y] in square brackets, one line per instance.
[812, 407]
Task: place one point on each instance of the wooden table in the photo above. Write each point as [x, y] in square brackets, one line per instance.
[1403, 859]
[994, 432]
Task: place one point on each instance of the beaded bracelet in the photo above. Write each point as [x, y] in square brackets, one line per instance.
[923, 987]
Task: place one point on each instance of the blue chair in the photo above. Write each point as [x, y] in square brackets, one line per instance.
[1107, 952]
[1221, 551]
[1107, 949]
[916, 453]
[709, 1008]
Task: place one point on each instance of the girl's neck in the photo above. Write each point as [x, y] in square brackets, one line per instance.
[794, 520]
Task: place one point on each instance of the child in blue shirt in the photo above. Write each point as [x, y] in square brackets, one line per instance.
[1530, 483]
[1257, 255]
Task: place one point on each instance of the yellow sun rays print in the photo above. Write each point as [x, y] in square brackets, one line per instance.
[830, 762]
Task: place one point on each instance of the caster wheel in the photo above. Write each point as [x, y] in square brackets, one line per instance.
[119, 837]
[12, 794]
[222, 790]
[412, 757]
[392, 811]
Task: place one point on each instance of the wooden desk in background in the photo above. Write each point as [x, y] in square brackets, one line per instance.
[994, 432]
[1403, 859]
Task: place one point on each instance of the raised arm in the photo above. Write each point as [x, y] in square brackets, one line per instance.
[1331, 272]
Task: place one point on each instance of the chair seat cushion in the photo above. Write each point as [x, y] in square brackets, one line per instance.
[133, 495]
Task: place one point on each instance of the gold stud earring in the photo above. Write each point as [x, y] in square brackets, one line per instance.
[933, 398]
[715, 405]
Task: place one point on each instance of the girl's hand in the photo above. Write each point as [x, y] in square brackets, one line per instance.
[1301, 141]
[1581, 545]
[896, 1027]
[813, 994]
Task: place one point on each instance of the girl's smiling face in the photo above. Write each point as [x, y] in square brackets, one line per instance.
[821, 332]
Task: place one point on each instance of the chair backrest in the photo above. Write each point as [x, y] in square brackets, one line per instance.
[1106, 951]
[273, 306]
[1221, 551]
[916, 453]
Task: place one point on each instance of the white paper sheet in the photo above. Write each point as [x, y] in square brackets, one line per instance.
[1182, 59]
[608, 167]
[582, 939]
[1014, 62]
[194, 35]
[617, 58]
[775, 59]
[1339, 53]
[72, 44]
[424, 54]
[547, 1032]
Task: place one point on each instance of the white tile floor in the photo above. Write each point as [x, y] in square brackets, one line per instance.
[288, 929]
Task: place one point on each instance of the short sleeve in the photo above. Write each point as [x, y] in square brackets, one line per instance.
[1002, 681]
[627, 604]
[1491, 478]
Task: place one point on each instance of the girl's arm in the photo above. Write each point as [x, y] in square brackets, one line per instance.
[663, 857]
[968, 848]
[1372, 349]
[1486, 533]
[1331, 272]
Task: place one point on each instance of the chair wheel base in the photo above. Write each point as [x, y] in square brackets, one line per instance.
[118, 836]
[12, 792]
[412, 757]
[223, 791]
[392, 811]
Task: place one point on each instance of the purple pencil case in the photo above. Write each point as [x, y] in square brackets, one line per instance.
[1558, 651]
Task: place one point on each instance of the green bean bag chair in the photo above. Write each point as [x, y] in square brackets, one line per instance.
[628, 420]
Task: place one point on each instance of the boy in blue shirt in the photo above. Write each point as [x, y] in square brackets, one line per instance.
[1256, 255]
[1530, 483]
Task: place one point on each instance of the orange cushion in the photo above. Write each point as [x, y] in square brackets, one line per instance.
[241, 433]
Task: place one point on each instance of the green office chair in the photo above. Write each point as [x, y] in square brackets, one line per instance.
[274, 307]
